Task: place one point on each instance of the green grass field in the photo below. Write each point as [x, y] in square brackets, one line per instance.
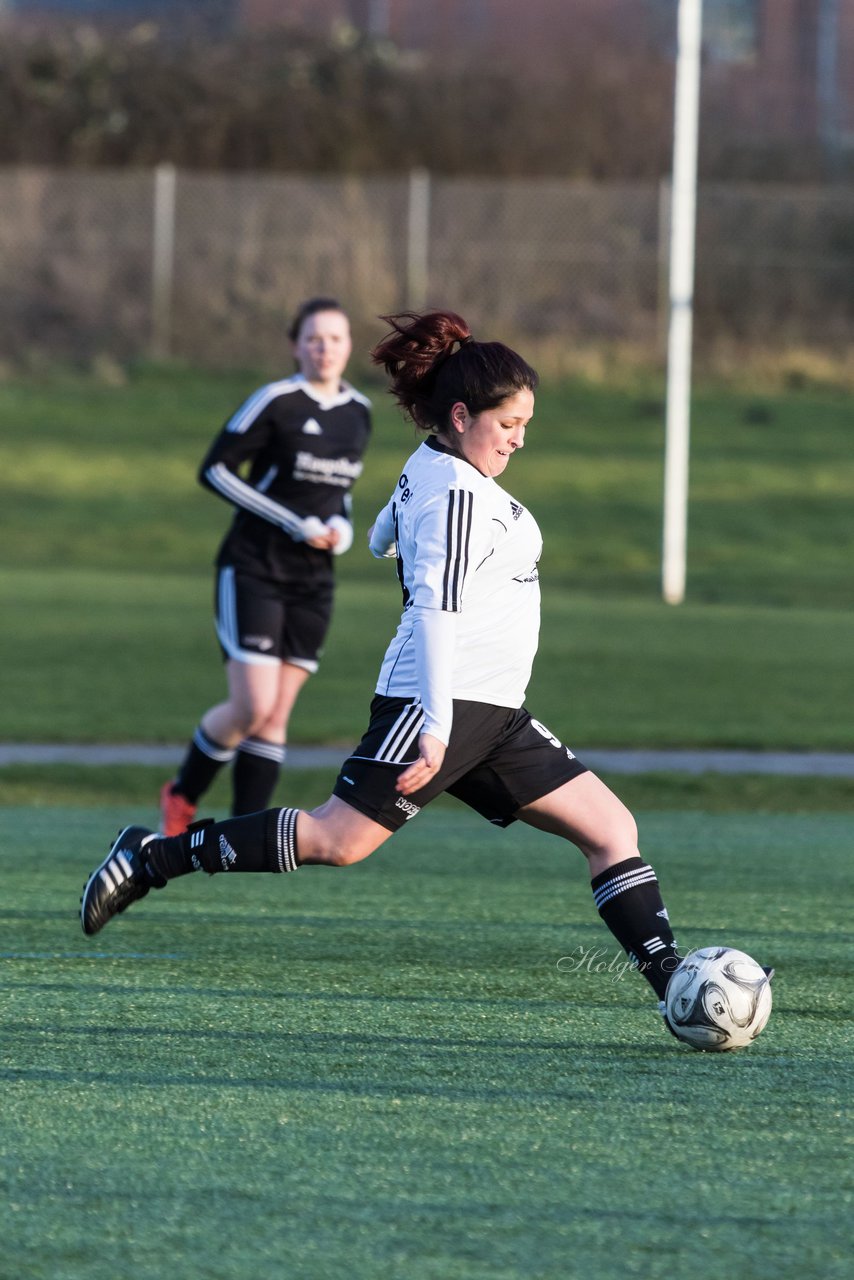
[103, 478]
[98, 656]
[412, 1068]
[106, 572]
[431, 1066]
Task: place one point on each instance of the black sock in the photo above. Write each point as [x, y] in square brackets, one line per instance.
[200, 765]
[257, 842]
[629, 901]
[257, 766]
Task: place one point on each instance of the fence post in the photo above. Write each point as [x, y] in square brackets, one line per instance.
[163, 261]
[418, 239]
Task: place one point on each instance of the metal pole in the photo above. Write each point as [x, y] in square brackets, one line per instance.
[418, 239]
[378, 19]
[662, 302]
[163, 261]
[827, 82]
[682, 235]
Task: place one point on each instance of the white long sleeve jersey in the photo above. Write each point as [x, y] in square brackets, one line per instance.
[467, 561]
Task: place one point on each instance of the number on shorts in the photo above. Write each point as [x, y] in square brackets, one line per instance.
[547, 733]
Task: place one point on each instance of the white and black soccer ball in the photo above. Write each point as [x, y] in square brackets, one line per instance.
[718, 999]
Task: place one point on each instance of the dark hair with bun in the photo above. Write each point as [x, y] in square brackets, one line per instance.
[310, 308]
[434, 363]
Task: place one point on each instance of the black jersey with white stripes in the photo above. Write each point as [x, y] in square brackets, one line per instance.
[285, 460]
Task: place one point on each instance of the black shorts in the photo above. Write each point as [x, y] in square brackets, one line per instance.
[258, 621]
[498, 760]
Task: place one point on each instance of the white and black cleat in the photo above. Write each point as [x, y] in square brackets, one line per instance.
[120, 880]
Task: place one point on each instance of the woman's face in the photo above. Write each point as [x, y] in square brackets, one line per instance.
[323, 347]
[489, 440]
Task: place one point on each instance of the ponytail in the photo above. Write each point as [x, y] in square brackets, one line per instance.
[434, 362]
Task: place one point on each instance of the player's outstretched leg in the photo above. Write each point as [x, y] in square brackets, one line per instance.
[141, 859]
[121, 879]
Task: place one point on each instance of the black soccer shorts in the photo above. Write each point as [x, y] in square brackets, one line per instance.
[498, 760]
[258, 621]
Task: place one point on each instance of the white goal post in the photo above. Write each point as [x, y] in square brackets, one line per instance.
[682, 237]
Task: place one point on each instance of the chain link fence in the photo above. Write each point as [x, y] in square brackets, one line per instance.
[206, 268]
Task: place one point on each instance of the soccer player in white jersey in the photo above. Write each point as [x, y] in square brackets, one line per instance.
[448, 713]
[286, 461]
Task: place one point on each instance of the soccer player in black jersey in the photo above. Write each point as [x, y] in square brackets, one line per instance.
[448, 713]
[286, 461]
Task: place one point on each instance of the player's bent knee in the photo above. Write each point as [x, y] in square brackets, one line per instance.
[256, 718]
[625, 829]
[242, 718]
[614, 835]
[616, 828]
[619, 831]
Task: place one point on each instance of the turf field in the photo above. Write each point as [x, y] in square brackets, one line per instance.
[101, 656]
[106, 578]
[432, 1065]
[102, 477]
[413, 1068]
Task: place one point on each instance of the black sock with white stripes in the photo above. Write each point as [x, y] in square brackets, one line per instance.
[257, 766]
[629, 901]
[256, 842]
[200, 765]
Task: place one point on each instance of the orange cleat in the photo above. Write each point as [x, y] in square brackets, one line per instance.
[176, 812]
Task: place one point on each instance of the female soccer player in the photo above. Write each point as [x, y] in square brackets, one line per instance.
[448, 713]
[301, 442]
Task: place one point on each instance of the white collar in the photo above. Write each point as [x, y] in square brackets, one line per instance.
[345, 394]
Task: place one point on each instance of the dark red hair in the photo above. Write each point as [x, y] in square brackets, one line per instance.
[434, 363]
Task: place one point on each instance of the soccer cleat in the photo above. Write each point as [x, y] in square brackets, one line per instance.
[176, 812]
[120, 880]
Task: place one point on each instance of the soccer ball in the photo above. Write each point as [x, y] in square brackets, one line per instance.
[718, 999]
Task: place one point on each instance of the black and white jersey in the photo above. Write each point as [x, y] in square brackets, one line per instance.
[467, 558]
[287, 460]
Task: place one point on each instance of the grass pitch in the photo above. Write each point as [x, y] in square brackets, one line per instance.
[104, 478]
[102, 658]
[107, 584]
[432, 1065]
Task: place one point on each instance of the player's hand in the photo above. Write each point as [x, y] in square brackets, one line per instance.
[323, 537]
[324, 541]
[343, 531]
[384, 553]
[428, 764]
[314, 533]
